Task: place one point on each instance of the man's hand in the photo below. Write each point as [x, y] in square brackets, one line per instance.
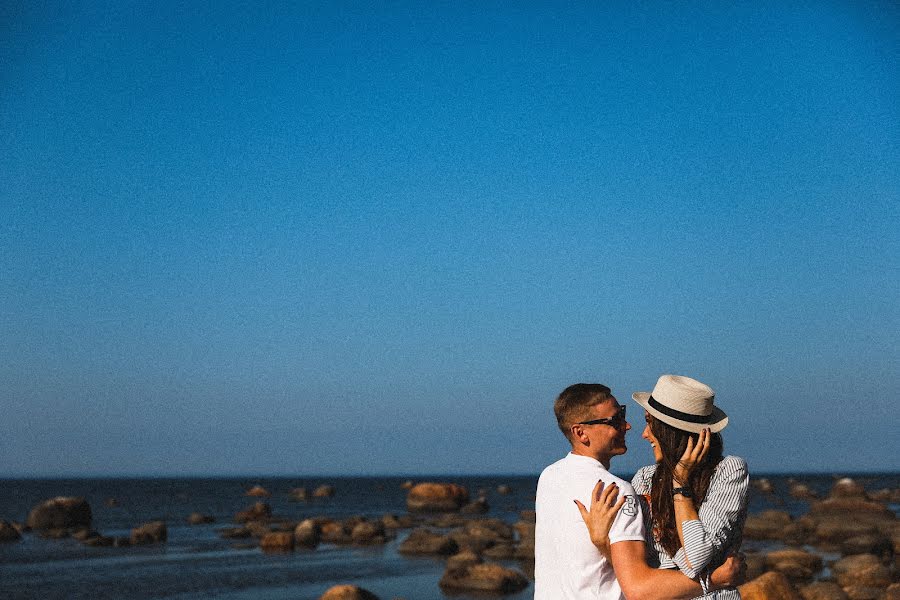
[732, 573]
[604, 509]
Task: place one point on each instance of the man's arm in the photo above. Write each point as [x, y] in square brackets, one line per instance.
[641, 582]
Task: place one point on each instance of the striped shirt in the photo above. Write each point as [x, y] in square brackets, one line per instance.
[719, 530]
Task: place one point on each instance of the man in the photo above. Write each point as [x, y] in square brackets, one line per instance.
[567, 564]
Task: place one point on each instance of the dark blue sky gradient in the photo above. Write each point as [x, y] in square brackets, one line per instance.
[381, 239]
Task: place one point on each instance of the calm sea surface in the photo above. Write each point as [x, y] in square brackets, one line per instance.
[197, 563]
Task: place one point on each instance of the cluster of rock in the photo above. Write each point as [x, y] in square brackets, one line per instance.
[71, 517]
[850, 522]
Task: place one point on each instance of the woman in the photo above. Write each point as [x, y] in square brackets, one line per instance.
[695, 497]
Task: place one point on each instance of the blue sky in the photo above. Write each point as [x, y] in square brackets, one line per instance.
[381, 238]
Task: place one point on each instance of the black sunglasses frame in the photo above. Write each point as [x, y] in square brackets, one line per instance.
[617, 421]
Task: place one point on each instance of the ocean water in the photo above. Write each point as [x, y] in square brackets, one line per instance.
[197, 563]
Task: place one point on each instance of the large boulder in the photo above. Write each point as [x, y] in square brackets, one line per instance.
[60, 513]
[154, 532]
[8, 533]
[425, 541]
[861, 570]
[436, 497]
[769, 586]
[348, 592]
[483, 577]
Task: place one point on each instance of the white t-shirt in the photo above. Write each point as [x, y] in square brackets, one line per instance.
[567, 566]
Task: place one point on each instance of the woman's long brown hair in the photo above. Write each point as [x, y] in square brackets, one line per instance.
[672, 443]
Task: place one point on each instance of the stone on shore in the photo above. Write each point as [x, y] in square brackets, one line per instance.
[61, 512]
[348, 592]
[436, 497]
[769, 586]
[8, 533]
[308, 534]
[425, 541]
[484, 577]
[154, 532]
[299, 494]
[795, 564]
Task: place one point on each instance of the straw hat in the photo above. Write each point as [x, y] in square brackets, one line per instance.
[683, 403]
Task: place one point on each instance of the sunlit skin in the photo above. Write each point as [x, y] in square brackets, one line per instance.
[601, 441]
[648, 435]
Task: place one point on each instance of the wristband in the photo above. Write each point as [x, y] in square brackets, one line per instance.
[686, 492]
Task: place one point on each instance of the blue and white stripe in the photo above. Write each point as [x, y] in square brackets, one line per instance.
[719, 530]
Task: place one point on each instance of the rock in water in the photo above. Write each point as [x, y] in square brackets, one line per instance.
[260, 511]
[823, 590]
[60, 513]
[279, 541]
[436, 497]
[425, 541]
[258, 491]
[769, 586]
[348, 592]
[8, 533]
[861, 570]
[324, 491]
[308, 534]
[485, 577]
[150, 533]
[200, 519]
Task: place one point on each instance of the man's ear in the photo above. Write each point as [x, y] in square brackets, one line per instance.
[578, 433]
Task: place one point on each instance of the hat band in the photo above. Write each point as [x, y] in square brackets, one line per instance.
[677, 414]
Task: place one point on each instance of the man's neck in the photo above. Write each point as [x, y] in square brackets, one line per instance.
[581, 451]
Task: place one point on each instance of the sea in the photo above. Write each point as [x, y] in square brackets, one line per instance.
[196, 562]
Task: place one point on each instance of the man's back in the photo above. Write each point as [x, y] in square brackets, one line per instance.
[567, 565]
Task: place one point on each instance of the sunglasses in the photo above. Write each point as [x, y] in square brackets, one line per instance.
[617, 420]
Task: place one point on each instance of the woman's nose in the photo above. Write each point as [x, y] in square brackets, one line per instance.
[646, 433]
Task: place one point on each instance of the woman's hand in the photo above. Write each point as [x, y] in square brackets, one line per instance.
[693, 456]
[604, 509]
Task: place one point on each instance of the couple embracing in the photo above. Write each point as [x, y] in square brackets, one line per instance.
[673, 532]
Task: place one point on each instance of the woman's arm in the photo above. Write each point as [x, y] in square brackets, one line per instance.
[704, 532]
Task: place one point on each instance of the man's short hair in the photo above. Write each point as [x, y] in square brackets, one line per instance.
[574, 402]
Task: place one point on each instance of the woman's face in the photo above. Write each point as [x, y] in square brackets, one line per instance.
[648, 435]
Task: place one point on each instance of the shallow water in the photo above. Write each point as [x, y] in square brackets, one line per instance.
[197, 563]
